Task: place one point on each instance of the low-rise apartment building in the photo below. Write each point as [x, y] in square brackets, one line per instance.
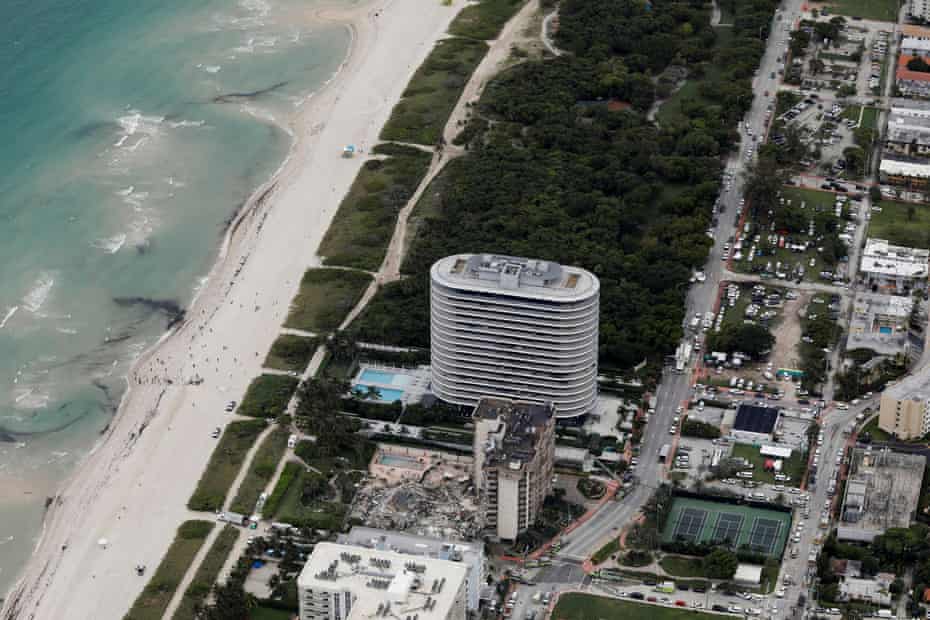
[346, 582]
[893, 269]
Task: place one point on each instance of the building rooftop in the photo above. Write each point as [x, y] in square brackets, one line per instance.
[882, 258]
[402, 585]
[881, 492]
[909, 122]
[915, 386]
[919, 32]
[520, 425]
[903, 73]
[515, 276]
[755, 419]
[411, 544]
[897, 167]
[915, 43]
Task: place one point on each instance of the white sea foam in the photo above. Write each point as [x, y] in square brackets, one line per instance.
[212, 68]
[30, 398]
[135, 200]
[112, 244]
[133, 124]
[177, 124]
[126, 192]
[38, 295]
[260, 7]
[9, 315]
[66, 330]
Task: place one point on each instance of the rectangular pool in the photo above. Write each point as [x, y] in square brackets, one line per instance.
[393, 460]
[383, 377]
[385, 395]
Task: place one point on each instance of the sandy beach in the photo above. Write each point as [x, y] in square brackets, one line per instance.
[132, 489]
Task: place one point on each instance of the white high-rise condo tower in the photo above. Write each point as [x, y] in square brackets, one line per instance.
[515, 328]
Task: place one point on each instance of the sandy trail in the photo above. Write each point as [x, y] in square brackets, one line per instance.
[133, 487]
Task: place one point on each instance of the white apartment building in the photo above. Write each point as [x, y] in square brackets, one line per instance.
[891, 268]
[514, 328]
[514, 459]
[918, 9]
[469, 554]
[345, 582]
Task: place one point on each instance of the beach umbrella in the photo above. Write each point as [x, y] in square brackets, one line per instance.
[103, 542]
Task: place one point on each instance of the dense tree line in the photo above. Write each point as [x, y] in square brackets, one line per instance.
[556, 175]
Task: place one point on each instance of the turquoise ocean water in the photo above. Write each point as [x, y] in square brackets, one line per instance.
[130, 133]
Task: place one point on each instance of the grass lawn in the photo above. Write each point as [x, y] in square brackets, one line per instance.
[575, 606]
[319, 514]
[325, 298]
[261, 470]
[267, 396]
[224, 464]
[869, 115]
[290, 352]
[364, 223]
[207, 573]
[873, 430]
[289, 475]
[793, 467]
[485, 19]
[268, 613]
[154, 599]
[670, 111]
[902, 223]
[433, 91]
[878, 10]
[682, 566]
[604, 553]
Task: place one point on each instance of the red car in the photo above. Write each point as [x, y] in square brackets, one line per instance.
[650, 599]
[680, 604]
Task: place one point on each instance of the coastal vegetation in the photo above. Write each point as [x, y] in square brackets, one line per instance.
[433, 91]
[261, 469]
[267, 396]
[206, 574]
[224, 464]
[484, 20]
[359, 234]
[155, 597]
[291, 353]
[325, 298]
[559, 174]
[289, 474]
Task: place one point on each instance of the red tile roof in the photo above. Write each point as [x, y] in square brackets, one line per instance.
[903, 73]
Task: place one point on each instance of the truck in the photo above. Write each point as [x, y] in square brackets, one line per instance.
[233, 517]
[663, 453]
[666, 587]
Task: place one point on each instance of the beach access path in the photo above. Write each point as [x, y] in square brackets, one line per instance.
[133, 488]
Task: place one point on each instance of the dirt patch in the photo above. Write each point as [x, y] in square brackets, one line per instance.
[788, 333]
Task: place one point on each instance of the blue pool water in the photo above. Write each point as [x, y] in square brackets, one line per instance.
[386, 395]
[393, 460]
[884, 330]
[383, 377]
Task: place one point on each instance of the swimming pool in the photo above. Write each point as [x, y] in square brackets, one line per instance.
[884, 330]
[385, 395]
[393, 460]
[383, 377]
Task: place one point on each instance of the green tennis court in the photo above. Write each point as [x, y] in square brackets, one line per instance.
[718, 523]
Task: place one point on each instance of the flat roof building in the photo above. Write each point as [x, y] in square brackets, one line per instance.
[908, 174]
[908, 129]
[469, 554]
[514, 458]
[911, 83]
[754, 423]
[879, 323]
[510, 327]
[882, 490]
[342, 582]
[892, 268]
[905, 406]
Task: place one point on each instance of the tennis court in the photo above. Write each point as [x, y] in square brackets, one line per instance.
[728, 527]
[764, 534]
[711, 522]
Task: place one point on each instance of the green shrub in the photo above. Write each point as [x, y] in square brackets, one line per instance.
[291, 352]
[267, 396]
[326, 296]
[224, 464]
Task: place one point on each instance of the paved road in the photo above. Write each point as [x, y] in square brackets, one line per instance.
[676, 388]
